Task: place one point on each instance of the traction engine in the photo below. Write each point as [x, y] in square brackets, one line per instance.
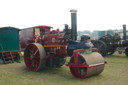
[45, 48]
[108, 44]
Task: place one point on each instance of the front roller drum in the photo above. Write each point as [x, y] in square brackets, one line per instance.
[34, 57]
[86, 64]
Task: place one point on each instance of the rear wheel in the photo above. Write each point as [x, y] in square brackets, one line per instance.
[111, 49]
[101, 46]
[34, 56]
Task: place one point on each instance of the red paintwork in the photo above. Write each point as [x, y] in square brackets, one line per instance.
[13, 53]
[51, 40]
[94, 50]
[77, 65]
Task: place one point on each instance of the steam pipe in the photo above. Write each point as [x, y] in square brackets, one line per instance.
[66, 28]
[74, 24]
[124, 32]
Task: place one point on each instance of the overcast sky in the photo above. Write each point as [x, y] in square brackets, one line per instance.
[91, 15]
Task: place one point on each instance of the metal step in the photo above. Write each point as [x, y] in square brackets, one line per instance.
[7, 60]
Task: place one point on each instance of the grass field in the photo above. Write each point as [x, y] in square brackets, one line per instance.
[115, 73]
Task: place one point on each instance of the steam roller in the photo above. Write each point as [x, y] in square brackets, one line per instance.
[46, 48]
[84, 64]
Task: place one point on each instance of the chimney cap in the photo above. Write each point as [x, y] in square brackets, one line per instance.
[124, 24]
[73, 10]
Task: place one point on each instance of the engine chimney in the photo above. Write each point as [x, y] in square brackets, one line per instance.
[124, 32]
[74, 24]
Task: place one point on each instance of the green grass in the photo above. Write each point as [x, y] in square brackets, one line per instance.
[115, 73]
